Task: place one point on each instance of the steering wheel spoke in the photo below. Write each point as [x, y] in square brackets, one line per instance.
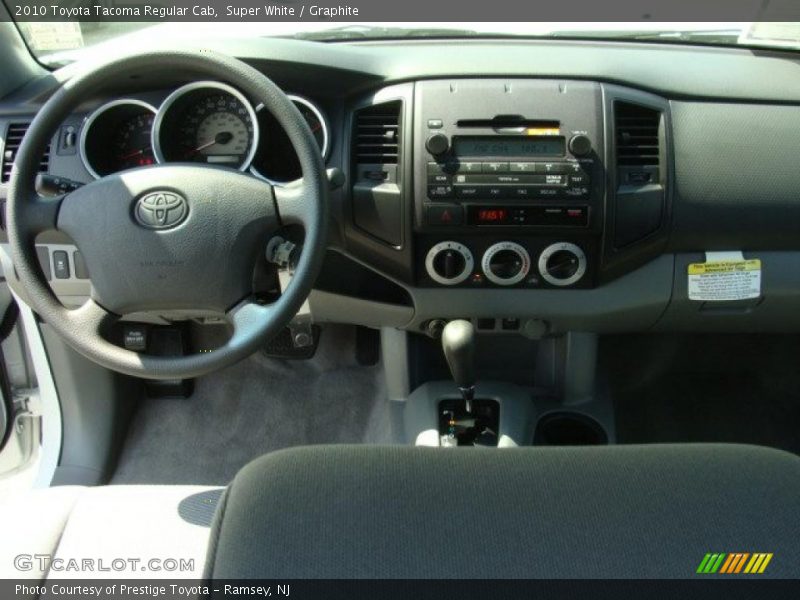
[292, 204]
[41, 214]
[248, 317]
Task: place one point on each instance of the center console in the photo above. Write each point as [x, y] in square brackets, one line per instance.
[509, 183]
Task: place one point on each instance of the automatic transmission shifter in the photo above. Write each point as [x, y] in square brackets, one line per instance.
[458, 343]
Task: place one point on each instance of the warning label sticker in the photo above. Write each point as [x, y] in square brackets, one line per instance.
[725, 280]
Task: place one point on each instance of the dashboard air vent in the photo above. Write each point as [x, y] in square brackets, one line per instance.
[13, 139]
[377, 134]
[637, 135]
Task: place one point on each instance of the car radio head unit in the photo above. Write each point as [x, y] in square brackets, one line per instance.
[509, 182]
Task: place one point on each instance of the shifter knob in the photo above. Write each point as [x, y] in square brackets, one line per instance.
[458, 343]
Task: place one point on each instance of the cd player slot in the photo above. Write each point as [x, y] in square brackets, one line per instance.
[508, 122]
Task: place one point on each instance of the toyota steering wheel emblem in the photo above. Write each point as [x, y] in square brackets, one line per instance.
[161, 210]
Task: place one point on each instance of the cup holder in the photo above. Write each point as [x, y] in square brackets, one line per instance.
[568, 429]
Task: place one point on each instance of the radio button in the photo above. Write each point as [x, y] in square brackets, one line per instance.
[467, 191]
[546, 192]
[522, 167]
[494, 192]
[576, 192]
[495, 167]
[470, 167]
[553, 168]
[577, 179]
[440, 178]
[521, 192]
[440, 191]
[440, 168]
[554, 179]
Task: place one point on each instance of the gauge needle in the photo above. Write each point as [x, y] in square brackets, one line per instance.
[134, 153]
[223, 137]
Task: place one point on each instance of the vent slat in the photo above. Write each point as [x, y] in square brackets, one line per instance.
[376, 139]
[13, 140]
[637, 135]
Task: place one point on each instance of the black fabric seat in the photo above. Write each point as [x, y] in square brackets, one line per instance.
[402, 512]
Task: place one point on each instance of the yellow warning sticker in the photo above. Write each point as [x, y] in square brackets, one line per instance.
[725, 280]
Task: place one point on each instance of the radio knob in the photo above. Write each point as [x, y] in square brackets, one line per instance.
[580, 145]
[449, 263]
[437, 144]
[506, 263]
[562, 264]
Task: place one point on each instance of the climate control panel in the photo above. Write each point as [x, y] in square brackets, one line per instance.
[529, 263]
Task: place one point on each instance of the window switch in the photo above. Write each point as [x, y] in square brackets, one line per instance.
[61, 264]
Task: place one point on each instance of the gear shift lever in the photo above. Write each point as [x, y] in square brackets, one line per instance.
[458, 343]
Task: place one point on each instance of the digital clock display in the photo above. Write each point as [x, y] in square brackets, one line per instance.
[491, 215]
[509, 146]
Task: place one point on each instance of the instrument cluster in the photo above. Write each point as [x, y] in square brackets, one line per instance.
[202, 122]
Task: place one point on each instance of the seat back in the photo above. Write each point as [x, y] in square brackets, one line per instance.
[403, 512]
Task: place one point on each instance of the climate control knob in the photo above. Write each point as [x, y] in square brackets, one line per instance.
[449, 263]
[506, 263]
[562, 264]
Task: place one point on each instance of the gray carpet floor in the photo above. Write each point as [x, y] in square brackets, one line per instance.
[256, 406]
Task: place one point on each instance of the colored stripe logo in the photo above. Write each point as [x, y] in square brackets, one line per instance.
[732, 563]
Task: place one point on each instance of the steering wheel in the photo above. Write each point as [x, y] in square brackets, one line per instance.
[173, 236]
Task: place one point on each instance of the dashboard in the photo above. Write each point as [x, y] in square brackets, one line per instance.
[530, 186]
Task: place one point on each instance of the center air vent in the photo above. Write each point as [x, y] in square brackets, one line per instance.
[637, 135]
[377, 134]
[639, 140]
[13, 140]
[377, 201]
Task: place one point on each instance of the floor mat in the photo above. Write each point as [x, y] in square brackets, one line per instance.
[705, 388]
[254, 407]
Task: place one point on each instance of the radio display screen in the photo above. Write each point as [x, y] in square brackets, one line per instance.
[509, 146]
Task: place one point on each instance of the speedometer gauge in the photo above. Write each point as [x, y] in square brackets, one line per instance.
[206, 122]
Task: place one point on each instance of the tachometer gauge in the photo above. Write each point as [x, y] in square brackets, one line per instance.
[116, 137]
[276, 159]
[131, 144]
[206, 122]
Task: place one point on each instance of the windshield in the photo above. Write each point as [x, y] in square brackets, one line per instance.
[56, 43]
